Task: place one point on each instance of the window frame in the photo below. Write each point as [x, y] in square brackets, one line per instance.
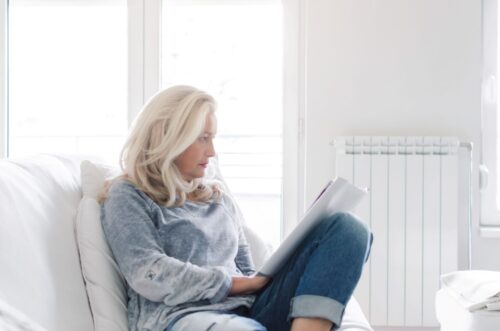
[294, 98]
[488, 172]
[144, 19]
[4, 130]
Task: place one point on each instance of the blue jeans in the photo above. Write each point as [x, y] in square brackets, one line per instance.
[317, 281]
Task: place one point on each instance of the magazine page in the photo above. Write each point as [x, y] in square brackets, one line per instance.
[338, 196]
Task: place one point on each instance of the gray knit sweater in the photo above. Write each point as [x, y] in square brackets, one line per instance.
[175, 260]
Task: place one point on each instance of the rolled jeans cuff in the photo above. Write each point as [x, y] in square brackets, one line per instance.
[310, 306]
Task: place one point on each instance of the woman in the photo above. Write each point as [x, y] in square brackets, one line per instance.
[180, 246]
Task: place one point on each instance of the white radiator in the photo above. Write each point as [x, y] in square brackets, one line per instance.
[413, 213]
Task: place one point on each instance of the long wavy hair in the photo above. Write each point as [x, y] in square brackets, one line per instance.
[167, 125]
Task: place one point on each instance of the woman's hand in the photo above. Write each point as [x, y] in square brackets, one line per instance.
[248, 285]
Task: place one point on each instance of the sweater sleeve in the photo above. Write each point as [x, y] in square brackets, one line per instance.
[131, 233]
[243, 258]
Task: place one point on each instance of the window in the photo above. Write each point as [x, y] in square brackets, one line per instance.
[490, 149]
[67, 80]
[68, 86]
[233, 50]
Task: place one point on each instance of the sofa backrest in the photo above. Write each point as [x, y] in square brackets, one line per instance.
[40, 273]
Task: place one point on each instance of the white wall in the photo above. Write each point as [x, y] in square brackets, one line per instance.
[394, 67]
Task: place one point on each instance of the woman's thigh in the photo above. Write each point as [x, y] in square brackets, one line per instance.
[216, 321]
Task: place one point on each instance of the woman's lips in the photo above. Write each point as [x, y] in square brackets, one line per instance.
[204, 165]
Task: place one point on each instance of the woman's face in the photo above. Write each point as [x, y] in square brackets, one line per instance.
[194, 160]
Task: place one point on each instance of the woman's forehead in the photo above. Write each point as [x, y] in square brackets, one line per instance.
[211, 124]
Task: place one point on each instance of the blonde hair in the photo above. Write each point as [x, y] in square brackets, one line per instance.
[167, 125]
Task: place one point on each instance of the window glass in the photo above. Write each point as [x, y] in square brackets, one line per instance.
[233, 50]
[67, 77]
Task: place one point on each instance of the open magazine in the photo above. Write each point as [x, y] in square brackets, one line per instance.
[337, 196]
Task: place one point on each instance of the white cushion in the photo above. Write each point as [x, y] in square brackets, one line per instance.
[39, 270]
[93, 176]
[104, 282]
[453, 315]
[354, 319]
[12, 319]
[474, 289]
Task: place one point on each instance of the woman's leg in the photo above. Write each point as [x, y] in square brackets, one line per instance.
[311, 324]
[319, 278]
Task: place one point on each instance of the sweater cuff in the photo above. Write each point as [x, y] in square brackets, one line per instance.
[224, 289]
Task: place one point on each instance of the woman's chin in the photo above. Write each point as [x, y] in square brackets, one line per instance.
[194, 175]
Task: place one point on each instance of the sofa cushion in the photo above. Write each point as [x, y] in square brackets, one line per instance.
[104, 282]
[40, 273]
[12, 319]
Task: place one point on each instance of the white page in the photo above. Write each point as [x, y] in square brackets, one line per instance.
[338, 196]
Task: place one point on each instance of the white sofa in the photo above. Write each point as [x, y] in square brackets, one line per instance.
[41, 281]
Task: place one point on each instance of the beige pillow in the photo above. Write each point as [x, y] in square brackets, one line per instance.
[104, 283]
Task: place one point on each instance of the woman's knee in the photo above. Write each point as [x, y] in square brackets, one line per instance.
[352, 229]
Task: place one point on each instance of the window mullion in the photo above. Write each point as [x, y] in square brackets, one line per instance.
[143, 53]
[3, 79]
[293, 101]
[490, 214]
[152, 27]
[135, 99]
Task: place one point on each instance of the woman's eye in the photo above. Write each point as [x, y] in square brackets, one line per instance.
[203, 139]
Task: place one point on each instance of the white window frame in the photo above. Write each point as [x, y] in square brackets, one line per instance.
[144, 19]
[490, 213]
[3, 79]
[294, 101]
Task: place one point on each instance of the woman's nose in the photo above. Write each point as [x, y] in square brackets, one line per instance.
[211, 149]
